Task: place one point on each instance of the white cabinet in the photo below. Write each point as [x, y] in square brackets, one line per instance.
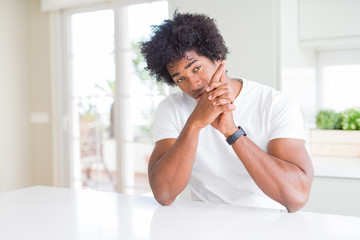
[329, 23]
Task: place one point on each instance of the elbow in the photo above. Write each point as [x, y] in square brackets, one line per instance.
[296, 205]
[295, 201]
[164, 198]
[298, 200]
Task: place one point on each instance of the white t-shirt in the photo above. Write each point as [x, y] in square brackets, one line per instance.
[218, 175]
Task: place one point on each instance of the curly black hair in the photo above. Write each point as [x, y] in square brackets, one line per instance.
[172, 38]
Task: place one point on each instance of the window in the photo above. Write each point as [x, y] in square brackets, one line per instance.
[339, 79]
[111, 97]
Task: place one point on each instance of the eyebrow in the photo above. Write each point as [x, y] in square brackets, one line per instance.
[186, 67]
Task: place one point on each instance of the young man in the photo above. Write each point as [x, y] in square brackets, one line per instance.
[230, 140]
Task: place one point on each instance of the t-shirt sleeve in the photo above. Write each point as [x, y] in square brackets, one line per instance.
[164, 122]
[286, 120]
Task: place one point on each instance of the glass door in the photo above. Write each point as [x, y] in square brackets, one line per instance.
[92, 96]
[108, 85]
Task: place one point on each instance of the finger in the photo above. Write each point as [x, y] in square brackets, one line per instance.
[215, 85]
[217, 93]
[224, 99]
[222, 78]
[226, 107]
[220, 102]
[220, 90]
[219, 73]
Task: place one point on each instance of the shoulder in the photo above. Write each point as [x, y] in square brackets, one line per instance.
[270, 100]
[176, 102]
[264, 95]
[261, 89]
[176, 98]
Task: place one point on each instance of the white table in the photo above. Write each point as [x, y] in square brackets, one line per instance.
[44, 213]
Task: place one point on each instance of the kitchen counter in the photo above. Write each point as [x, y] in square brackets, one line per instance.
[54, 213]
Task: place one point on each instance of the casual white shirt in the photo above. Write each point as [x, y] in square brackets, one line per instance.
[218, 175]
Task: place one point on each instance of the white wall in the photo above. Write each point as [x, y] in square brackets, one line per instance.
[297, 65]
[248, 28]
[15, 154]
[25, 148]
[40, 99]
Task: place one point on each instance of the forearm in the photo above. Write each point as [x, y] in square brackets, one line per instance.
[169, 174]
[281, 180]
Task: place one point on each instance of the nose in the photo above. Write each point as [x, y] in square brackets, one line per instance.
[195, 84]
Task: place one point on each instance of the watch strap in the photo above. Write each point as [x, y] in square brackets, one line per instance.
[240, 132]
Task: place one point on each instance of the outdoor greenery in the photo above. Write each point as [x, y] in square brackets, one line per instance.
[145, 78]
[141, 71]
[346, 120]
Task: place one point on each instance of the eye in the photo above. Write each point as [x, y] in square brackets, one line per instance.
[197, 68]
[180, 80]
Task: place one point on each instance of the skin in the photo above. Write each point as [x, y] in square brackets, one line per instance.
[284, 173]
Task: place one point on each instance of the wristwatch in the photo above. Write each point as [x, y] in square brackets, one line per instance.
[240, 132]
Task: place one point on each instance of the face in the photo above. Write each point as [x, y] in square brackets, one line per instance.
[193, 73]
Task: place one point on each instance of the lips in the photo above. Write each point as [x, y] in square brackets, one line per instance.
[199, 95]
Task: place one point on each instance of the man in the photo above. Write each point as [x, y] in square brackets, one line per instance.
[229, 140]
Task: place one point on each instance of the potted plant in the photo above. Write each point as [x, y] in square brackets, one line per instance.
[337, 134]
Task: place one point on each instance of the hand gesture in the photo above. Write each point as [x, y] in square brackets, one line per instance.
[221, 94]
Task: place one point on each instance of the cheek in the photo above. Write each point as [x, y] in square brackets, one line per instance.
[207, 75]
[183, 87]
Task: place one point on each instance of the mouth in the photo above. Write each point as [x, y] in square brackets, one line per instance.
[199, 95]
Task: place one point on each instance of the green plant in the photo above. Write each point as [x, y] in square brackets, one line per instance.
[351, 119]
[329, 119]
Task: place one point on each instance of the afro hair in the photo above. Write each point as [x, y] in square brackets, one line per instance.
[173, 38]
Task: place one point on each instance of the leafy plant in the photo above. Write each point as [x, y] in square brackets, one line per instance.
[346, 120]
[351, 119]
[329, 119]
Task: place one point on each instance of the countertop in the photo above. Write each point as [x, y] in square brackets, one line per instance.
[56, 213]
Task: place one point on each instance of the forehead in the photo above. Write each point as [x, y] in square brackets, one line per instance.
[187, 57]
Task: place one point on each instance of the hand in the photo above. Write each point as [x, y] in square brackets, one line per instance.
[205, 111]
[220, 91]
[221, 94]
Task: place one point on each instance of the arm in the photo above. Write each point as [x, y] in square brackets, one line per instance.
[284, 174]
[171, 163]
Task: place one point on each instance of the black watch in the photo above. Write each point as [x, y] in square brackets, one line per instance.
[230, 140]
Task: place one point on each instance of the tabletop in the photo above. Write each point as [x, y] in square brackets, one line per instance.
[56, 213]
